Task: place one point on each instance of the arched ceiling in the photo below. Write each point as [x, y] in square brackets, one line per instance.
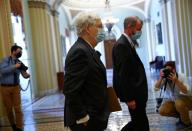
[73, 7]
[94, 4]
[90, 4]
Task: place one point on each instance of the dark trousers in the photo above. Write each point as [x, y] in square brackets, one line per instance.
[93, 125]
[139, 120]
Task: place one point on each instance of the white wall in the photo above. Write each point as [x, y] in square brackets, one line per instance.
[156, 17]
[63, 27]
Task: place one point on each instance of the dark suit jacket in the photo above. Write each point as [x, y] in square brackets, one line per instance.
[85, 84]
[129, 78]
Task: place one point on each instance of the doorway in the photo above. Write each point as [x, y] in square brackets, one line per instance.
[19, 39]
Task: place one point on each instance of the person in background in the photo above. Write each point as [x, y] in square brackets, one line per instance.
[129, 77]
[177, 100]
[86, 100]
[10, 68]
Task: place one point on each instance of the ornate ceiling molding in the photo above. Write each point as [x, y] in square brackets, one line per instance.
[96, 4]
[39, 4]
[55, 13]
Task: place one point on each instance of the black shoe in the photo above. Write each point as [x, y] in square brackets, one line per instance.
[19, 129]
[181, 125]
[14, 127]
[179, 122]
[189, 127]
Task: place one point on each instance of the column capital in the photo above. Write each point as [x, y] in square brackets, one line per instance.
[54, 13]
[72, 27]
[39, 4]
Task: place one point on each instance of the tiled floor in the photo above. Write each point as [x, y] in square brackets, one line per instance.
[46, 114]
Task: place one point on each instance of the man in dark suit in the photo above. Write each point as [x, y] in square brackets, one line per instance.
[85, 83]
[129, 78]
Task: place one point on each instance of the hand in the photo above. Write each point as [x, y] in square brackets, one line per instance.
[132, 104]
[25, 74]
[85, 123]
[172, 77]
[161, 73]
[18, 65]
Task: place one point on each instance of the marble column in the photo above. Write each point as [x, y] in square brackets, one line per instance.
[149, 27]
[45, 71]
[6, 39]
[182, 31]
[57, 42]
[165, 30]
[6, 35]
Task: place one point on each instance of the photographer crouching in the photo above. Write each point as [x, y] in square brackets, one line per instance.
[10, 69]
[176, 102]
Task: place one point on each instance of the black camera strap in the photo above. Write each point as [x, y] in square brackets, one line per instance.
[26, 86]
[173, 87]
[163, 89]
[10, 60]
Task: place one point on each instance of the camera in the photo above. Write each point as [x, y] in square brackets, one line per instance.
[22, 67]
[166, 72]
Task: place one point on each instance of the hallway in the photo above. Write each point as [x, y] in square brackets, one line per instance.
[45, 29]
[46, 113]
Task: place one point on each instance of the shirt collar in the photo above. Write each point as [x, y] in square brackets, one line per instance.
[88, 43]
[13, 58]
[129, 39]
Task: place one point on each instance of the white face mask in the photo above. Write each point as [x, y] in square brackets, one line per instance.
[100, 35]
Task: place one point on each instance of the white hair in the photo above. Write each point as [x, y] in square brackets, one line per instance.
[84, 20]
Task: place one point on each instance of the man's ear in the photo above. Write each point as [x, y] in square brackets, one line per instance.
[128, 26]
[14, 52]
[87, 29]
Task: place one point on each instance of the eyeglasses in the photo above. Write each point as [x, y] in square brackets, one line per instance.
[100, 26]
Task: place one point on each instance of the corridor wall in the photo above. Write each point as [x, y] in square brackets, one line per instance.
[175, 19]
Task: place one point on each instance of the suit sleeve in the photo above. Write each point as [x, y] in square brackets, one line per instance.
[75, 75]
[127, 71]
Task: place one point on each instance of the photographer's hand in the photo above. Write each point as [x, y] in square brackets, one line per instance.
[172, 77]
[161, 73]
[180, 84]
[18, 65]
[158, 82]
[25, 74]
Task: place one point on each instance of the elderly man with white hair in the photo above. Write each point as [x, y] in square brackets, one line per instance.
[86, 102]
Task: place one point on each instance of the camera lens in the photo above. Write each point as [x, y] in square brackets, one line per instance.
[166, 72]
